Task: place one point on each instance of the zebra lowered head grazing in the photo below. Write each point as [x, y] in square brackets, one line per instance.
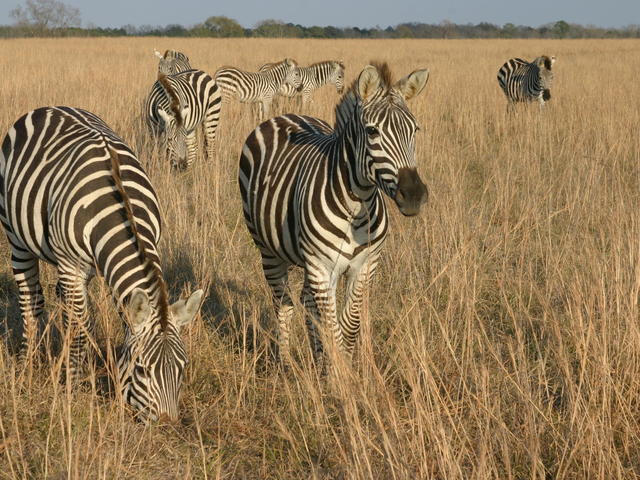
[249, 87]
[522, 81]
[172, 62]
[73, 194]
[176, 106]
[313, 77]
[312, 197]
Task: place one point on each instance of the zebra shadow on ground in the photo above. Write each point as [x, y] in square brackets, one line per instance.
[228, 319]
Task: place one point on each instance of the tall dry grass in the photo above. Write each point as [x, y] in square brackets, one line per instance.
[502, 336]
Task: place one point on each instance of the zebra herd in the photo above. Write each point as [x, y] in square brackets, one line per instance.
[73, 194]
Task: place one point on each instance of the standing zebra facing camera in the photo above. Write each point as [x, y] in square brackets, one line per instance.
[172, 62]
[522, 81]
[73, 194]
[176, 106]
[261, 87]
[313, 77]
[312, 196]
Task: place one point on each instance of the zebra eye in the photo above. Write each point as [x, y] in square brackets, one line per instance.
[371, 131]
[139, 370]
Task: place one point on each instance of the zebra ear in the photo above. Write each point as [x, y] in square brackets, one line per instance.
[139, 309]
[184, 311]
[368, 82]
[412, 84]
[158, 54]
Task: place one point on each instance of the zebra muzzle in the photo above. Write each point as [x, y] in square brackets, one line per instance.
[411, 192]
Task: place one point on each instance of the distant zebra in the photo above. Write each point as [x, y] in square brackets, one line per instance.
[313, 77]
[248, 87]
[73, 194]
[172, 62]
[522, 81]
[176, 106]
[312, 197]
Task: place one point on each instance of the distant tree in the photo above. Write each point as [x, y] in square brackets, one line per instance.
[560, 29]
[509, 30]
[221, 26]
[44, 15]
[269, 28]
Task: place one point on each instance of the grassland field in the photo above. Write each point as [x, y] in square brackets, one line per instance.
[502, 333]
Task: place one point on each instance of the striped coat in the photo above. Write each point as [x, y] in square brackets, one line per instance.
[73, 194]
[313, 197]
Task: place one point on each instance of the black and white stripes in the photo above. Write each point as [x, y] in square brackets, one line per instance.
[73, 194]
[176, 106]
[172, 62]
[313, 77]
[522, 81]
[258, 87]
[312, 197]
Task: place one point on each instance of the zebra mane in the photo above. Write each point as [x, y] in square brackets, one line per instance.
[325, 62]
[345, 108]
[163, 301]
[173, 96]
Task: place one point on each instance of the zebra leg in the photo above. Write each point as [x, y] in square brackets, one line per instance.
[312, 316]
[26, 271]
[72, 291]
[210, 125]
[192, 148]
[277, 274]
[265, 108]
[350, 318]
[320, 301]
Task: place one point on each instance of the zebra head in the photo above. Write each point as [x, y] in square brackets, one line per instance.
[292, 74]
[544, 64]
[153, 359]
[337, 76]
[386, 132]
[172, 129]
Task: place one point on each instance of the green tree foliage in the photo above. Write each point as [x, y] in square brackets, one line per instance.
[561, 29]
[220, 26]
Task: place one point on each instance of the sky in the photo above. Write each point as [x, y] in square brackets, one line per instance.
[344, 13]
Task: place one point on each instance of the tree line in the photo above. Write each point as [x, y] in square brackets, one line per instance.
[53, 18]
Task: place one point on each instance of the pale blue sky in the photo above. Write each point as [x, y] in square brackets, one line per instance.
[360, 13]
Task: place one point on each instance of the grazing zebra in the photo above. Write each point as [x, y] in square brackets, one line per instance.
[73, 194]
[176, 106]
[260, 87]
[172, 62]
[313, 77]
[312, 197]
[522, 81]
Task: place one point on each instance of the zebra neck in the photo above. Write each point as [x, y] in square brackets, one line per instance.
[351, 159]
[127, 270]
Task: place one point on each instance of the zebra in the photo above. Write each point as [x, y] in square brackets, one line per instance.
[312, 197]
[73, 194]
[313, 77]
[172, 62]
[259, 87]
[176, 106]
[522, 81]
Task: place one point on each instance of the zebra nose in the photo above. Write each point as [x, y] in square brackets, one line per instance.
[411, 192]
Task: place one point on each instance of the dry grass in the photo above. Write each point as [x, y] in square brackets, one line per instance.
[502, 338]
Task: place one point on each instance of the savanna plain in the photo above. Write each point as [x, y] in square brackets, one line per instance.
[502, 334]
